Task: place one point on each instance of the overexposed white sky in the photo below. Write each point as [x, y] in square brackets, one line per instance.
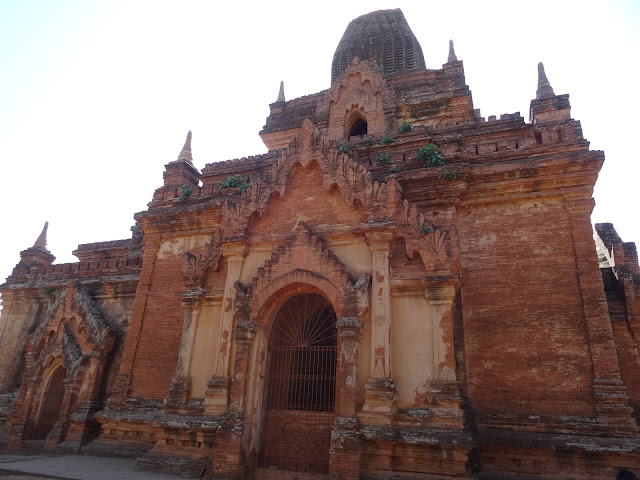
[97, 96]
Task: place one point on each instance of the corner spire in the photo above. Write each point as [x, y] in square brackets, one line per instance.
[544, 87]
[281, 93]
[452, 53]
[185, 154]
[41, 242]
[38, 254]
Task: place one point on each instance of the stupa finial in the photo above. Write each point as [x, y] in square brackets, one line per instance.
[544, 87]
[41, 242]
[281, 93]
[452, 53]
[185, 154]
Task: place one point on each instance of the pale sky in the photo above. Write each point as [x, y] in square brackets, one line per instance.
[97, 96]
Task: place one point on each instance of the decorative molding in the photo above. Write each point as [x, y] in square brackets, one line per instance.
[379, 200]
[203, 260]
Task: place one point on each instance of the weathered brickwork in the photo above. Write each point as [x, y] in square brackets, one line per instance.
[540, 329]
[627, 349]
[399, 288]
[65, 322]
[297, 443]
[161, 327]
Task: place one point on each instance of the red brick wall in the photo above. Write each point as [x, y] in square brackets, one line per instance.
[306, 199]
[629, 362]
[297, 440]
[525, 333]
[161, 332]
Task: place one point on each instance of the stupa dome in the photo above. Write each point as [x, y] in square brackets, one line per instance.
[383, 36]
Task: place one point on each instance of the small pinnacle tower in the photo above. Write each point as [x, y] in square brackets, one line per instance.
[281, 94]
[544, 87]
[452, 53]
[185, 154]
[547, 106]
[41, 241]
[181, 171]
[38, 254]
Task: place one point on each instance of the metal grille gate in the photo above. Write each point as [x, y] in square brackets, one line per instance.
[52, 405]
[300, 386]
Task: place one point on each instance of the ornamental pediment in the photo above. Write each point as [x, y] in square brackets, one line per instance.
[73, 328]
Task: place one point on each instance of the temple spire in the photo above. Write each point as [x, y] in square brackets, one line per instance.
[452, 53]
[544, 87]
[41, 242]
[185, 154]
[38, 254]
[281, 93]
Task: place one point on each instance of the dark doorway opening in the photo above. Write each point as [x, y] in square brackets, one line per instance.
[358, 128]
[52, 404]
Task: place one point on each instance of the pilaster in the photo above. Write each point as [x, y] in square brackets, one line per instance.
[244, 334]
[350, 335]
[444, 391]
[346, 448]
[180, 387]
[380, 390]
[217, 396]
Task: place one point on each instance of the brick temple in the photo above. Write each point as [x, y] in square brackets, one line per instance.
[398, 288]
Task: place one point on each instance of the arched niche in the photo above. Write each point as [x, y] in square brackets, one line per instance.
[356, 125]
[51, 402]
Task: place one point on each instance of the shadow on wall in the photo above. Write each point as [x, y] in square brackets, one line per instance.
[625, 474]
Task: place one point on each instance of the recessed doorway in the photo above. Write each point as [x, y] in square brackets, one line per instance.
[300, 386]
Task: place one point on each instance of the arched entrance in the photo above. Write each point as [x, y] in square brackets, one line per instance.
[358, 128]
[52, 403]
[300, 386]
[357, 125]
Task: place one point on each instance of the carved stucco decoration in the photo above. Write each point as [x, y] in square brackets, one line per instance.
[361, 80]
[202, 260]
[425, 237]
[75, 335]
[350, 325]
[73, 329]
[285, 270]
[379, 200]
[350, 335]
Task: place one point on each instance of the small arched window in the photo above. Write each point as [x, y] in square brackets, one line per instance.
[358, 128]
[356, 124]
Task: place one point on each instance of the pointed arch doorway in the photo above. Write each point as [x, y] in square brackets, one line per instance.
[300, 386]
[51, 404]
